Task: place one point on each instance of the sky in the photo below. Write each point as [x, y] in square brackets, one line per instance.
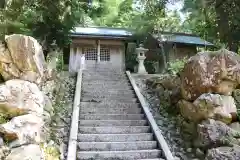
[176, 6]
[172, 6]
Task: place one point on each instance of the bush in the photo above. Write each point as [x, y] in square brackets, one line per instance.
[176, 66]
[149, 65]
[60, 63]
[131, 61]
[55, 60]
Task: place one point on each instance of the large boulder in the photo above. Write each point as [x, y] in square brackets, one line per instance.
[4, 152]
[215, 106]
[210, 72]
[22, 58]
[213, 133]
[236, 96]
[220, 153]
[23, 130]
[207, 106]
[167, 81]
[167, 87]
[18, 97]
[189, 111]
[28, 152]
[7, 69]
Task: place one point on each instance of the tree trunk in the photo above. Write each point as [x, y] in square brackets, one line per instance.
[222, 20]
[233, 47]
[2, 3]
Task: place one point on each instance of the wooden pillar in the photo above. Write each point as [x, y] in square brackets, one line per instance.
[163, 55]
[98, 51]
[66, 55]
[71, 62]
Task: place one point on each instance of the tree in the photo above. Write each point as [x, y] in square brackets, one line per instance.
[216, 19]
[51, 21]
[48, 21]
[2, 4]
[12, 18]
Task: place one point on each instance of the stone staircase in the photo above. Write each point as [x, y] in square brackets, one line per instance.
[112, 125]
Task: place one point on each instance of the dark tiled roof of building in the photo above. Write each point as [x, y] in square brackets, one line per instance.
[100, 31]
[106, 32]
[181, 38]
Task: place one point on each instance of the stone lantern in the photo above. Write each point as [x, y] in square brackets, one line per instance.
[140, 58]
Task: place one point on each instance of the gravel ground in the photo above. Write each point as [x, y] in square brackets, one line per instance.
[70, 83]
[61, 93]
[167, 123]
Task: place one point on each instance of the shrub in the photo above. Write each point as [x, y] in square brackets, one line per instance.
[176, 66]
[149, 65]
[131, 61]
[59, 61]
[3, 118]
[55, 60]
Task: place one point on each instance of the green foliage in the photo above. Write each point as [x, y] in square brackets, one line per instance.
[215, 20]
[176, 66]
[3, 118]
[142, 16]
[51, 152]
[48, 21]
[60, 63]
[131, 61]
[149, 65]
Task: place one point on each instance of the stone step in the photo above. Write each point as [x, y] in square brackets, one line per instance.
[108, 110]
[111, 100]
[106, 80]
[113, 123]
[100, 94]
[120, 88]
[116, 146]
[118, 155]
[115, 137]
[106, 83]
[104, 87]
[153, 159]
[109, 105]
[94, 82]
[110, 96]
[103, 72]
[106, 91]
[100, 70]
[114, 129]
[112, 116]
[103, 79]
[104, 75]
[124, 92]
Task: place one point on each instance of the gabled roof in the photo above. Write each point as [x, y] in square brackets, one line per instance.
[121, 33]
[101, 32]
[181, 38]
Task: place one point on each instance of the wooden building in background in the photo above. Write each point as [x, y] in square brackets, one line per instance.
[166, 47]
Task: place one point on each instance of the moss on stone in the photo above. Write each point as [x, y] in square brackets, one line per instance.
[51, 152]
[3, 118]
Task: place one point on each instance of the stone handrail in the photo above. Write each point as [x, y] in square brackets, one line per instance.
[157, 133]
[72, 143]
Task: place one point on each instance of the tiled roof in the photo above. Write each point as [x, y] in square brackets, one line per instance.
[181, 38]
[99, 31]
[123, 33]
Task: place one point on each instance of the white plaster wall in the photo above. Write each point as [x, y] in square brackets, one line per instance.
[117, 56]
[75, 59]
[116, 62]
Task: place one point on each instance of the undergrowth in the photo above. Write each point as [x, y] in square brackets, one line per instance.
[176, 66]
